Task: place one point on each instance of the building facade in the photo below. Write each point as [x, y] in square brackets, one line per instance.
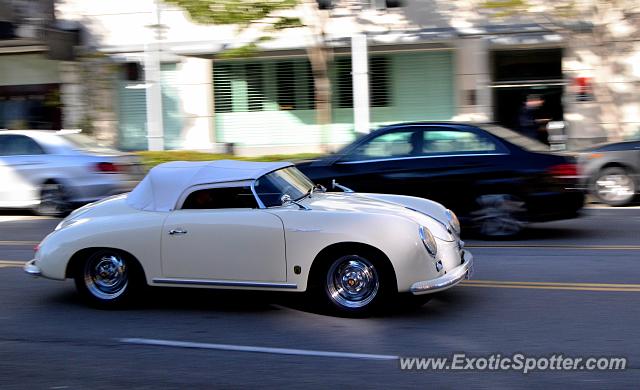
[33, 52]
[429, 60]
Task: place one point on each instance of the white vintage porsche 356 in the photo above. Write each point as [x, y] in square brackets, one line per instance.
[256, 226]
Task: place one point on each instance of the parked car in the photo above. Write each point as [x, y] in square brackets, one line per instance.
[50, 171]
[495, 179]
[256, 226]
[612, 171]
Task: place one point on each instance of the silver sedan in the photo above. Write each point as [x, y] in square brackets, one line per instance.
[50, 171]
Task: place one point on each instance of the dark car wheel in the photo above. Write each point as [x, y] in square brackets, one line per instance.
[353, 285]
[498, 216]
[108, 279]
[54, 201]
[614, 186]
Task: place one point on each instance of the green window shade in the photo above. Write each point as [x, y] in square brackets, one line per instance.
[222, 82]
[172, 117]
[379, 93]
[263, 86]
[132, 117]
[343, 84]
[255, 86]
[286, 85]
[379, 74]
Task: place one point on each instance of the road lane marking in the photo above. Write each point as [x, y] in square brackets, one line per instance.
[255, 349]
[554, 285]
[11, 264]
[555, 246]
[13, 218]
[15, 263]
[19, 243]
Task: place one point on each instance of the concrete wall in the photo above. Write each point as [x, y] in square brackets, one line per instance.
[473, 80]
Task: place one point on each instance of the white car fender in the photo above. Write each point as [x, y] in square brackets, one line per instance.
[307, 233]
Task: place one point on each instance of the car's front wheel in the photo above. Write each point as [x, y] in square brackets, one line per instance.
[614, 186]
[353, 285]
[499, 216]
[54, 200]
[108, 279]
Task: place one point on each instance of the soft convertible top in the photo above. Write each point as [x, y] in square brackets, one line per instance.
[163, 185]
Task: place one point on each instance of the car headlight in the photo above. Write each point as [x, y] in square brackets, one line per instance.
[453, 221]
[428, 240]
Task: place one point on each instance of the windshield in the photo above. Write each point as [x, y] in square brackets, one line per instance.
[517, 138]
[286, 181]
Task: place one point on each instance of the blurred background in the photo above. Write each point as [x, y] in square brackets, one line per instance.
[309, 76]
[292, 79]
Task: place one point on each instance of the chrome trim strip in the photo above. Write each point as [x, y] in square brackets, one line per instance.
[31, 268]
[224, 283]
[255, 194]
[421, 157]
[450, 279]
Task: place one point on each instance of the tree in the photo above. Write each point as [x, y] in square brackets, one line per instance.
[606, 29]
[245, 13]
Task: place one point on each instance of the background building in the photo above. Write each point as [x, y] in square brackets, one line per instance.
[34, 52]
[430, 60]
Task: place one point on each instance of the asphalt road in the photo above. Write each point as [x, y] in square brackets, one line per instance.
[557, 290]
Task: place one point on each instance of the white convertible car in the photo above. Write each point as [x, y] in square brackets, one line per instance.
[256, 226]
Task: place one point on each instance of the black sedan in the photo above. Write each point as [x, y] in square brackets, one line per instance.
[496, 180]
[612, 171]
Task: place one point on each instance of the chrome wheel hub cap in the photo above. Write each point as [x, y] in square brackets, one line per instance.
[106, 276]
[615, 187]
[352, 282]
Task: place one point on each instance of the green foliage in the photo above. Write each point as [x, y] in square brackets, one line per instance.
[151, 159]
[505, 8]
[242, 12]
[240, 52]
[500, 4]
[287, 22]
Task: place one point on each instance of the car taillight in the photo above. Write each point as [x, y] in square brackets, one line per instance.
[36, 248]
[564, 170]
[106, 167]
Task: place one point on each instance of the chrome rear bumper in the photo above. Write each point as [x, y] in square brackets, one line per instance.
[31, 268]
[450, 279]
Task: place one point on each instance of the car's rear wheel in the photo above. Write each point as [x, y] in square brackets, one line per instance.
[614, 186]
[54, 200]
[108, 278]
[353, 285]
[499, 216]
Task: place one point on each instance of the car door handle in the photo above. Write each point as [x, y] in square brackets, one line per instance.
[173, 232]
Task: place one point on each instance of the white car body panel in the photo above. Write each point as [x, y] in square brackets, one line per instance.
[239, 244]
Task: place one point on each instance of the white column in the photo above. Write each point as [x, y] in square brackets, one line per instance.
[195, 85]
[155, 127]
[73, 105]
[473, 81]
[360, 75]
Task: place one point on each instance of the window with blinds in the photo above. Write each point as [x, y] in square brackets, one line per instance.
[379, 95]
[263, 86]
[288, 85]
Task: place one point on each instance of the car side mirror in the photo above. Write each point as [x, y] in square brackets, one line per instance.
[286, 199]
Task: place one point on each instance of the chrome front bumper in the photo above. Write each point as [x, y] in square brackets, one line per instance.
[31, 268]
[450, 279]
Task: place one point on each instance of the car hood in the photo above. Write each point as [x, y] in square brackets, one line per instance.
[434, 218]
